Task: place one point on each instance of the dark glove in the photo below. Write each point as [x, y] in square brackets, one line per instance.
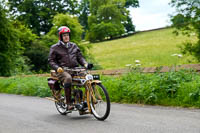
[89, 66]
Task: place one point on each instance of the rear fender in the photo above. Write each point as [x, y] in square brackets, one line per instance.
[53, 84]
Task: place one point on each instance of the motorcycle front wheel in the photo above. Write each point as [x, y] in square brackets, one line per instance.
[99, 102]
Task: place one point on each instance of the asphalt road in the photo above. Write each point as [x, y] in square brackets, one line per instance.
[22, 114]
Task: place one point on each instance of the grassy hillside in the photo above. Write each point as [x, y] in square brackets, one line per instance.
[153, 48]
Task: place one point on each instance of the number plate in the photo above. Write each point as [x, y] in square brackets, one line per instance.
[96, 77]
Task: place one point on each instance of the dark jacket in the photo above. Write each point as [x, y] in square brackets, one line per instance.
[61, 56]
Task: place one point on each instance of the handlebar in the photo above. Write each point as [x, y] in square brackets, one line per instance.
[75, 69]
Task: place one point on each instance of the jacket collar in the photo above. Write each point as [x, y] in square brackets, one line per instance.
[63, 44]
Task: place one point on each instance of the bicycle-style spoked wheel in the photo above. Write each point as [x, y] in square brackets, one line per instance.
[99, 102]
[61, 107]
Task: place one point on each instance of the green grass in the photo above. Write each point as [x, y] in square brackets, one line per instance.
[180, 88]
[29, 86]
[152, 48]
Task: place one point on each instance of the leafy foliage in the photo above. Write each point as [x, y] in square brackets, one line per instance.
[131, 3]
[173, 88]
[38, 55]
[108, 19]
[21, 50]
[36, 52]
[26, 37]
[102, 30]
[83, 15]
[29, 86]
[38, 14]
[129, 25]
[187, 21]
[9, 42]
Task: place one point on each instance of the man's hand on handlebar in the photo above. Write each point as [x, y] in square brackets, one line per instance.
[88, 66]
[60, 70]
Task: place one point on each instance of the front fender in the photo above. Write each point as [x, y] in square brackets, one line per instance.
[96, 81]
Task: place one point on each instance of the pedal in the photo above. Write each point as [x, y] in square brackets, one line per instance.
[85, 104]
[79, 106]
[83, 113]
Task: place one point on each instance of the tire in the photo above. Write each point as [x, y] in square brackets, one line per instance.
[101, 106]
[60, 106]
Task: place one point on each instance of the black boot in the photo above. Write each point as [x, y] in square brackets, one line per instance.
[67, 87]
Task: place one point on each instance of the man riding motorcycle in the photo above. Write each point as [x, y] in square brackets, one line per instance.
[66, 54]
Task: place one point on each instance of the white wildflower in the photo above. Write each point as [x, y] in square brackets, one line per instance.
[137, 61]
[137, 64]
[128, 65]
[192, 34]
[180, 55]
[174, 55]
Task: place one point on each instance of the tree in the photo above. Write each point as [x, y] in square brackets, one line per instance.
[10, 48]
[109, 19]
[38, 14]
[84, 10]
[187, 20]
[38, 55]
[131, 3]
[7, 47]
[35, 52]
[128, 24]
[26, 37]
[105, 17]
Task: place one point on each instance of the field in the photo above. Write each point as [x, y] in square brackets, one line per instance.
[153, 48]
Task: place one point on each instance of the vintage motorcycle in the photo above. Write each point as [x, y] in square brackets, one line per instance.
[89, 96]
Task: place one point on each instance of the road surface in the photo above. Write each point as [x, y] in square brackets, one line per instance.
[22, 114]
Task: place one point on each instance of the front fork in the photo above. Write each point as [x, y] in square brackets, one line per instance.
[90, 93]
[88, 88]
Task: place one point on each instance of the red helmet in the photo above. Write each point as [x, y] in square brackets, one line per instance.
[62, 30]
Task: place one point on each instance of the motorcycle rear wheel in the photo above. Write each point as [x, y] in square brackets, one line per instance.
[61, 107]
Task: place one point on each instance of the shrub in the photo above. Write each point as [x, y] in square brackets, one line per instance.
[173, 88]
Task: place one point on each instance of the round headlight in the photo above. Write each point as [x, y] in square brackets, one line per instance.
[89, 77]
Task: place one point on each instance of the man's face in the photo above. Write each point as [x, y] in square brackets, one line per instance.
[65, 37]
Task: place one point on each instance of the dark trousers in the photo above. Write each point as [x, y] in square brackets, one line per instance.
[66, 79]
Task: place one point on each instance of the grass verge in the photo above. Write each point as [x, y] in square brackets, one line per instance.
[29, 86]
[180, 88]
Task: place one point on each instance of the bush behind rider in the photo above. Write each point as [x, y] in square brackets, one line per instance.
[66, 54]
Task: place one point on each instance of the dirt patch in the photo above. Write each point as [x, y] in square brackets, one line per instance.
[124, 71]
[195, 67]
